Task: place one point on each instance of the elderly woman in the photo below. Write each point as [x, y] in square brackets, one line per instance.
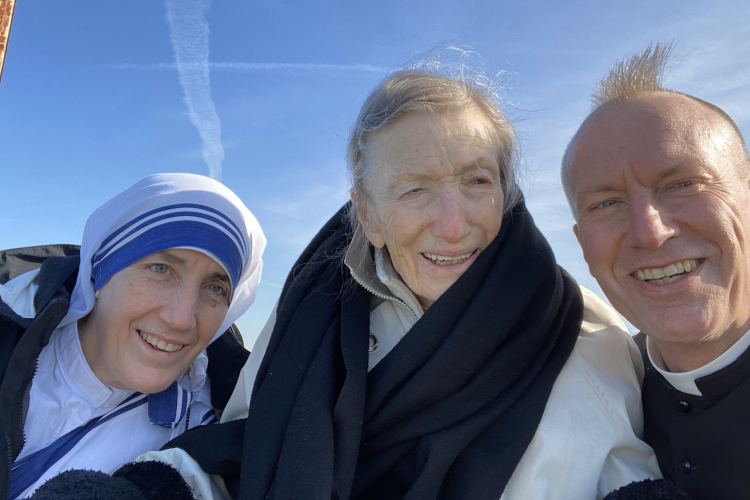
[102, 368]
[426, 345]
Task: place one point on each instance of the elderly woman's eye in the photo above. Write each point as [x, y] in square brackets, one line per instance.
[413, 191]
[606, 204]
[160, 268]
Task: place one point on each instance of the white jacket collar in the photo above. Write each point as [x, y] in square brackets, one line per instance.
[378, 276]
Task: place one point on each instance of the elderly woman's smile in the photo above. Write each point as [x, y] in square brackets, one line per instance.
[437, 196]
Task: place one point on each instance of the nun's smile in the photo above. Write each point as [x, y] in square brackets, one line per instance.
[153, 318]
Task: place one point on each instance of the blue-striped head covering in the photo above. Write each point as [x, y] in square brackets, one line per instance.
[166, 211]
[182, 225]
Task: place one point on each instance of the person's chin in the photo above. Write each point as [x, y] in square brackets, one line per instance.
[155, 383]
[686, 323]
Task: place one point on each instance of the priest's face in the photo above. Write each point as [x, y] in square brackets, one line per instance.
[153, 318]
[437, 196]
[661, 188]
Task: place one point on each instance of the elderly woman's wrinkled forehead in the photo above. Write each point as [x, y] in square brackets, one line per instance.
[422, 146]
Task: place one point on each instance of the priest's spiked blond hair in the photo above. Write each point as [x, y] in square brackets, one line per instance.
[635, 75]
[632, 77]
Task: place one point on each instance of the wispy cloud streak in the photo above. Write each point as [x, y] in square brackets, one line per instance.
[274, 68]
[188, 29]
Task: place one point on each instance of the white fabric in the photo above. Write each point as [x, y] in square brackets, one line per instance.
[18, 293]
[685, 381]
[66, 394]
[588, 441]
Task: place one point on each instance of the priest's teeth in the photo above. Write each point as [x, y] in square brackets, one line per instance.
[443, 260]
[160, 344]
[665, 275]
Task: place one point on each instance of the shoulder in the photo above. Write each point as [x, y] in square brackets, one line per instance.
[588, 438]
[597, 314]
[604, 372]
[604, 344]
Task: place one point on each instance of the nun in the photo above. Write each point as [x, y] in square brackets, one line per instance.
[104, 354]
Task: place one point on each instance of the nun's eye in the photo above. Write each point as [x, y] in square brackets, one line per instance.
[160, 268]
[214, 288]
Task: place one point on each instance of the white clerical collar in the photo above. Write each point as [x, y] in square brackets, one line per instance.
[685, 381]
[77, 372]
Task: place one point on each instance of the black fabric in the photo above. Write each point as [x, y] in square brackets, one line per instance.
[133, 481]
[87, 485]
[649, 489]
[218, 449]
[448, 413]
[22, 340]
[702, 443]
[56, 281]
[170, 486]
[223, 375]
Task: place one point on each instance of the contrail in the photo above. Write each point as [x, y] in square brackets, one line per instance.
[273, 68]
[188, 29]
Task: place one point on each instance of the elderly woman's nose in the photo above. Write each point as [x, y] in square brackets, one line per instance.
[451, 223]
[180, 310]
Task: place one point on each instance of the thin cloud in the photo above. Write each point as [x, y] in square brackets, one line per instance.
[269, 68]
[188, 29]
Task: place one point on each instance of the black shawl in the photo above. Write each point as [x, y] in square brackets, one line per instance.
[447, 414]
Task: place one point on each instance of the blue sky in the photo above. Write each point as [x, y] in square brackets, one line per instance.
[92, 101]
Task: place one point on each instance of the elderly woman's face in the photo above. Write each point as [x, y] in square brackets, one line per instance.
[437, 196]
[153, 318]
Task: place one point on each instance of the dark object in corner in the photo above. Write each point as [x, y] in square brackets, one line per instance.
[170, 485]
[87, 485]
[133, 481]
[648, 489]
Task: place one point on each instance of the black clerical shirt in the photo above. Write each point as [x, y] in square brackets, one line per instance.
[702, 443]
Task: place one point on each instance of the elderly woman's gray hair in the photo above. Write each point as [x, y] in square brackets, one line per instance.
[424, 91]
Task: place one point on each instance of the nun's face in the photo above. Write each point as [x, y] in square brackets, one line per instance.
[153, 318]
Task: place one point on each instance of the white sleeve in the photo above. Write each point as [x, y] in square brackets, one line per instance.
[612, 363]
[588, 441]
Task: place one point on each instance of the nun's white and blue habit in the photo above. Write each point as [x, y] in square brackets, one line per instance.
[68, 417]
